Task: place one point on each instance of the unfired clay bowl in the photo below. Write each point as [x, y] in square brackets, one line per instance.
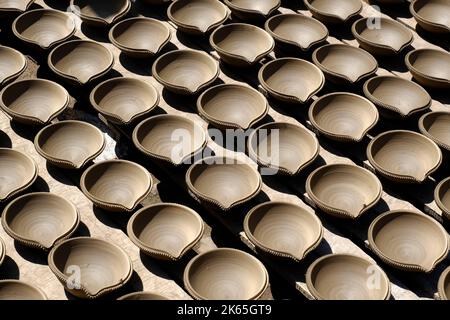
[345, 277]
[17, 172]
[401, 96]
[116, 185]
[436, 126]
[404, 156]
[432, 15]
[43, 28]
[12, 64]
[170, 138]
[291, 80]
[69, 144]
[430, 67]
[185, 71]
[157, 2]
[390, 237]
[296, 30]
[143, 295]
[248, 10]
[223, 182]
[8, 6]
[232, 106]
[197, 17]
[34, 101]
[284, 147]
[140, 37]
[225, 274]
[343, 116]
[444, 285]
[40, 219]
[343, 190]
[101, 13]
[337, 11]
[283, 229]
[80, 61]
[390, 38]
[166, 230]
[442, 197]
[102, 266]
[344, 64]
[2, 251]
[240, 44]
[392, 2]
[20, 290]
[123, 100]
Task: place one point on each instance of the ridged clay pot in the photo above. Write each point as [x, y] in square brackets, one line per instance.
[404, 156]
[345, 277]
[2, 251]
[79, 62]
[116, 185]
[69, 144]
[291, 80]
[18, 172]
[20, 290]
[103, 266]
[185, 71]
[296, 30]
[390, 39]
[225, 274]
[400, 96]
[165, 231]
[442, 197]
[43, 28]
[9, 6]
[123, 100]
[143, 295]
[390, 237]
[343, 64]
[209, 180]
[12, 64]
[343, 116]
[140, 37]
[40, 220]
[232, 106]
[240, 44]
[34, 101]
[170, 138]
[197, 17]
[343, 190]
[444, 285]
[101, 13]
[283, 229]
[436, 126]
[285, 147]
[429, 67]
[334, 12]
[248, 10]
[157, 2]
[432, 15]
